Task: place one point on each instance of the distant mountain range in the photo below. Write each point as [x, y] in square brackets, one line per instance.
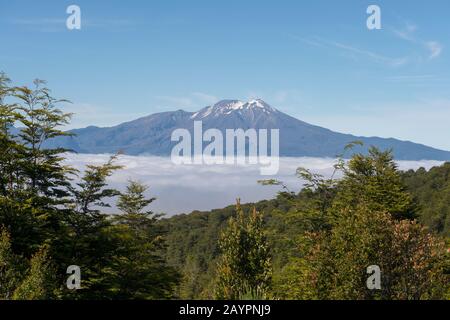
[151, 135]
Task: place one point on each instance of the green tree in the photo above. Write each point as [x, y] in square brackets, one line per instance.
[25, 280]
[10, 274]
[375, 180]
[410, 259]
[244, 269]
[431, 189]
[133, 204]
[39, 283]
[33, 179]
[41, 120]
[138, 269]
[87, 241]
[368, 223]
[44, 214]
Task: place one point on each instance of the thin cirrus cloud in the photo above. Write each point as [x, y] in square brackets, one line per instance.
[87, 114]
[38, 22]
[194, 99]
[41, 24]
[353, 51]
[435, 49]
[184, 188]
[58, 24]
[419, 80]
[394, 62]
[409, 33]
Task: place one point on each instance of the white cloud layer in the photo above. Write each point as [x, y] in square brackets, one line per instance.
[184, 188]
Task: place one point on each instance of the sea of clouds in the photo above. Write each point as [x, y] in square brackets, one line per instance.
[184, 188]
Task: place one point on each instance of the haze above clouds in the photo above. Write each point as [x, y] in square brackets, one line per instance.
[184, 188]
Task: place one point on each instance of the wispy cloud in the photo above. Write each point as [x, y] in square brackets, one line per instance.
[57, 24]
[41, 24]
[180, 102]
[283, 99]
[192, 100]
[204, 97]
[354, 50]
[395, 62]
[86, 114]
[423, 77]
[38, 22]
[408, 33]
[419, 80]
[435, 49]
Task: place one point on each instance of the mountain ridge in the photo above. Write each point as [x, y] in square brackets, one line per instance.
[150, 135]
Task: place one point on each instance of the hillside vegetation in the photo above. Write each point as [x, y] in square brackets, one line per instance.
[192, 239]
[432, 191]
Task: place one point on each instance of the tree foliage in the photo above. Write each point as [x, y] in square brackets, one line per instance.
[244, 269]
[322, 239]
[138, 269]
[49, 223]
[369, 223]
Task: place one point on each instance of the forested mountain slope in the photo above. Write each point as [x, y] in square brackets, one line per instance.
[192, 238]
[432, 190]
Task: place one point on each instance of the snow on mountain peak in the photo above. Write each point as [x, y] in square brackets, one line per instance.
[258, 103]
[226, 107]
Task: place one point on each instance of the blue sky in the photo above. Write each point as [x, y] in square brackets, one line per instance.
[315, 60]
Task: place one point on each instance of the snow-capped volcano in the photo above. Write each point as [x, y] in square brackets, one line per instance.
[226, 107]
[152, 134]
